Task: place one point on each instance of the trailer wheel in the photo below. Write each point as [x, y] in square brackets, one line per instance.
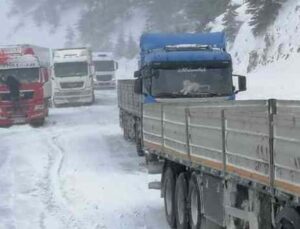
[181, 201]
[288, 218]
[194, 203]
[138, 140]
[169, 196]
[139, 149]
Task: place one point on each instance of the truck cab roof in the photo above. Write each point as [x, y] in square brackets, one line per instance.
[191, 47]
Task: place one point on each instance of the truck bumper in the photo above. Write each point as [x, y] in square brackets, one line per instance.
[25, 113]
[73, 97]
[105, 84]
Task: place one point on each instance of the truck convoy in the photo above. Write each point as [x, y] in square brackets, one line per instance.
[73, 76]
[223, 163]
[105, 68]
[30, 66]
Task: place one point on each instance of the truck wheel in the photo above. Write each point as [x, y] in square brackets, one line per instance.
[181, 198]
[194, 203]
[93, 99]
[169, 197]
[139, 149]
[38, 122]
[138, 140]
[288, 218]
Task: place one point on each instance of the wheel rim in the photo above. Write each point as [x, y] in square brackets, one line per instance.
[180, 206]
[286, 225]
[169, 199]
[194, 206]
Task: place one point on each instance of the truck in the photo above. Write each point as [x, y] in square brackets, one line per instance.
[73, 77]
[105, 70]
[30, 66]
[223, 163]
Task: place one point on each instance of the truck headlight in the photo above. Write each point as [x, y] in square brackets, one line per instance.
[39, 107]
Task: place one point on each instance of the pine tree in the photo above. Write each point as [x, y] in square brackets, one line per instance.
[204, 11]
[253, 6]
[264, 15]
[231, 25]
[70, 38]
[132, 48]
[120, 48]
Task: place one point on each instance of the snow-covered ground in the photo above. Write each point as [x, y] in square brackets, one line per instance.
[75, 172]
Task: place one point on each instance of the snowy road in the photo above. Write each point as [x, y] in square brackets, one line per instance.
[76, 172]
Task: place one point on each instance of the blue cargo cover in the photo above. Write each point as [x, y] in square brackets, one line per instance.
[153, 41]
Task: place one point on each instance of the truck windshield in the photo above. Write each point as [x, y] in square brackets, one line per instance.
[192, 82]
[104, 66]
[71, 69]
[23, 75]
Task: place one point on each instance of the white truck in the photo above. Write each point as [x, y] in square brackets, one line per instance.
[73, 76]
[105, 70]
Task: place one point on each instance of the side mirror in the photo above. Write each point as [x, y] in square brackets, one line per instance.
[138, 86]
[137, 74]
[242, 81]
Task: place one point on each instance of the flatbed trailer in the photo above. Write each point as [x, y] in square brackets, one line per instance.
[224, 164]
[242, 157]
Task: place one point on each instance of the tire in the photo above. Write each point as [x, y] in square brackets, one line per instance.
[288, 218]
[38, 122]
[139, 148]
[194, 203]
[138, 140]
[181, 201]
[169, 197]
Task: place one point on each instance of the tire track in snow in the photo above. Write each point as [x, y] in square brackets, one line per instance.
[53, 197]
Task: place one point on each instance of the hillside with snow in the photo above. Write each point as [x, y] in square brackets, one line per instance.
[271, 61]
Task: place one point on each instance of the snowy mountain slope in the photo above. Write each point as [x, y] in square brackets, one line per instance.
[273, 58]
[280, 41]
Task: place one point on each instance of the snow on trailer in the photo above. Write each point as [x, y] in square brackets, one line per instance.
[30, 65]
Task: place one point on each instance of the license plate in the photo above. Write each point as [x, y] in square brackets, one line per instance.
[19, 120]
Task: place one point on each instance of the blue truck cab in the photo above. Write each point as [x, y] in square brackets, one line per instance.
[190, 65]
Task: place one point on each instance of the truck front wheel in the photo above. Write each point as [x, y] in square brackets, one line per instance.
[169, 196]
[181, 197]
[38, 122]
[194, 202]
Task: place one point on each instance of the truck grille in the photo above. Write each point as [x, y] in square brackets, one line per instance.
[72, 93]
[72, 85]
[104, 78]
[24, 95]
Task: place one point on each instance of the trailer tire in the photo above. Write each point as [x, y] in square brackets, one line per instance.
[194, 203]
[169, 196]
[288, 218]
[138, 140]
[181, 201]
[139, 148]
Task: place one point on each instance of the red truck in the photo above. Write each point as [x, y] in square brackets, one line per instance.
[30, 65]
